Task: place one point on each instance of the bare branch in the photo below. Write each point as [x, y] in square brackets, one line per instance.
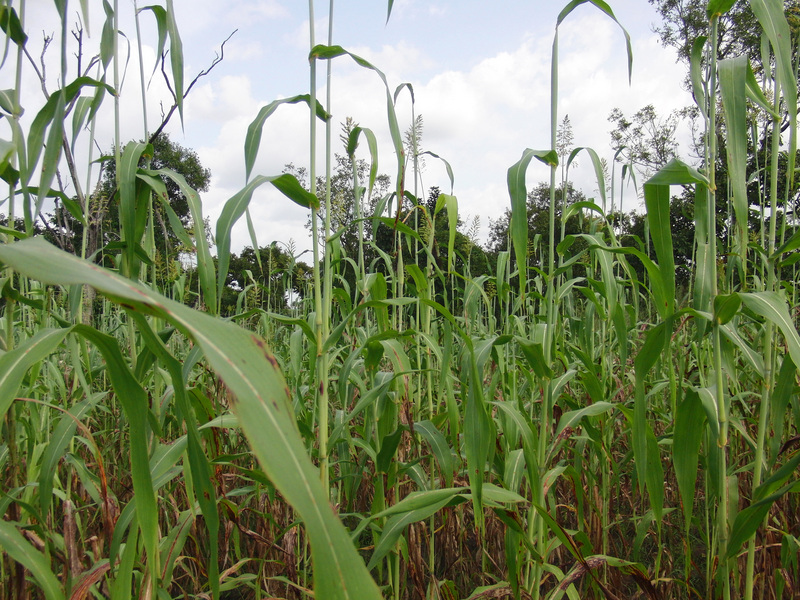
[77, 33]
[166, 77]
[45, 45]
[218, 57]
[40, 73]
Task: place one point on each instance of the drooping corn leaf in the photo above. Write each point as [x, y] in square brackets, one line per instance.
[262, 406]
[22, 551]
[519, 206]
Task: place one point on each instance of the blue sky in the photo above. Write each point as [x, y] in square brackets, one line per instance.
[480, 71]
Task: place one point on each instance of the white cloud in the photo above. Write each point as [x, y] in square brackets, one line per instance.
[299, 37]
[479, 116]
[237, 50]
[414, 9]
[264, 9]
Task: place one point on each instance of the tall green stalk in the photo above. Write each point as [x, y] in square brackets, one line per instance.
[319, 310]
[327, 276]
[769, 334]
[718, 378]
[150, 231]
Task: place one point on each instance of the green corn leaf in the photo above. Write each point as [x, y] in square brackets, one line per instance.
[399, 226]
[577, 207]
[773, 20]
[135, 404]
[607, 10]
[414, 501]
[726, 307]
[705, 272]
[793, 243]
[160, 14]
[756, 94]
[128, 205]
[656, 195]
[47, 116]
[205, 263]
[161, 195]
[330, 52]
[107, 36]
[772, 306]
[732, 78]
[262, 406]
[79, 114]
[11, 26]
[123, 582]
[534, 354]
[529, 441]
[751, 518]
[175, 57]
[252, 140]
[389, 444]
[289, 186]
[479, 431]
[441, 450]
[7, 101]
[52, 151]
[198, 462]
[657, 284]
[251, 229]
[689, 425]
[129, 513]
[598, 173]
[173, 544]
[85, 13]
[753, 358]
[20, 550]
[573, 417]
[696, 74]
[452, 220]
[166, 456]
[372, 142]
[717, 8]
[395, 526]
[654, 477]
[560, 533]
[519, 206]
[57, 446]
[15, 363]
[610, 292]
[655, 343]
[780, 398]
[447, 167]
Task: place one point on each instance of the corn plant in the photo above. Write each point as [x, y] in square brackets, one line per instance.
[571, 423]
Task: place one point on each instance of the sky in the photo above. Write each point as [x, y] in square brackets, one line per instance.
[480, 72]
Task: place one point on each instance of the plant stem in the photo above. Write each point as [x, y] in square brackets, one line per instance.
[321, 379]
[769, 334]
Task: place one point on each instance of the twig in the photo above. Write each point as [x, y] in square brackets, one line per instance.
[218, 57]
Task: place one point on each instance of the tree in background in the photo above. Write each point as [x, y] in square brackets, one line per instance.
[344, 228]
[538, 222]
[104, 216]
[342, 194]
[273, 285]
[683, 21]
[645, 140]
[469, 258]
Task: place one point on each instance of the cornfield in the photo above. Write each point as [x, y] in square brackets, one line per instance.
[576, 423]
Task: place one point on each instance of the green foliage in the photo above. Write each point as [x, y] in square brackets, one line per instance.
[268, 282]
[611, 411]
